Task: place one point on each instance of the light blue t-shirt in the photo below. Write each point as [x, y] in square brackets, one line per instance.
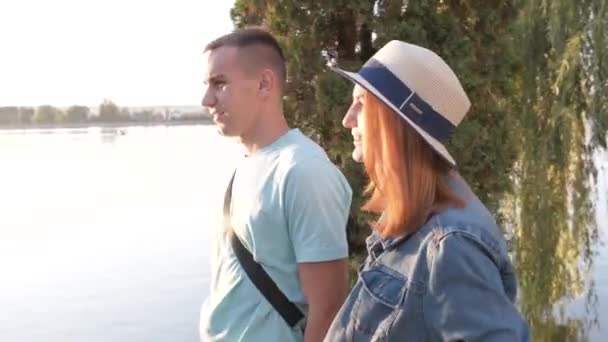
[290, 205]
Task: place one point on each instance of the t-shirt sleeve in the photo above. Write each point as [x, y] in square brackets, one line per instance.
[317, 201]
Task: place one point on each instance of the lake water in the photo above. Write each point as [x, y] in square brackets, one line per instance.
[104, 237]
[104, 233]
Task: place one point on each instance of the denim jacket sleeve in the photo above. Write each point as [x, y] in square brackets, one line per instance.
[466, 300]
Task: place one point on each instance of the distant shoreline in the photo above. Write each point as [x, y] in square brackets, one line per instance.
[68, 125]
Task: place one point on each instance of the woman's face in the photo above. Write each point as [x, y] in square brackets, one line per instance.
[354, 120]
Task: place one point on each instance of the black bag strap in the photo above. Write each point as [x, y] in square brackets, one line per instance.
[288, 310]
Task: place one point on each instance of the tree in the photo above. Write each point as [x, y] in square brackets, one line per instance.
[9, 115]
[108, 111]
[125, 114]
[562, 90]
[143, 115]
[26, 114]
[77, 114]
[46, 114]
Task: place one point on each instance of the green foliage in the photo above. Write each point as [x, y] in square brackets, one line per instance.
[561, 92]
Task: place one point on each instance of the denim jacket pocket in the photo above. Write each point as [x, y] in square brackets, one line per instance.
[384, 284]
[378, 304]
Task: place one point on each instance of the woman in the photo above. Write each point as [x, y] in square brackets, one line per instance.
[438, 268]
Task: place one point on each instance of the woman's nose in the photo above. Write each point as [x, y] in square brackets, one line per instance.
[350, 119]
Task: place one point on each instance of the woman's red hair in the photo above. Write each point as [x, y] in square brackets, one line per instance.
[408, 179]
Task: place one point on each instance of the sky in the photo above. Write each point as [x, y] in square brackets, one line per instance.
[133, 52]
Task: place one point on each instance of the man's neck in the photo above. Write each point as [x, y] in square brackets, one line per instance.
[266, 134]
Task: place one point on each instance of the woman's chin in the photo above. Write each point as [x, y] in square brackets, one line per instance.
[358, 155]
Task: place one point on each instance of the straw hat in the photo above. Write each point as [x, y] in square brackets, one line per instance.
[419, 86]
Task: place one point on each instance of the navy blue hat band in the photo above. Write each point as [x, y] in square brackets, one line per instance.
[408, 102]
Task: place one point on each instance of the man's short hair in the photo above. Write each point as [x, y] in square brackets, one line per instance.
[263, 48]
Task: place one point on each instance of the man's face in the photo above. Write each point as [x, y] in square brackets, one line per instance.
[232, 93]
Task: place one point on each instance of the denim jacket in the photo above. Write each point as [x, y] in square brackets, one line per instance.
[452, 280]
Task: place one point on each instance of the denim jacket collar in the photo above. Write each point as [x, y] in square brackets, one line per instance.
[376, 244]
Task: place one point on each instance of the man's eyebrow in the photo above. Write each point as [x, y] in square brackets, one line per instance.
[215, 78]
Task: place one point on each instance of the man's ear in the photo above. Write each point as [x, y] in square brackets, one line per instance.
[267, 82]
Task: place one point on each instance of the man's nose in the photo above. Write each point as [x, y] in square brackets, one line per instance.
[209, 99]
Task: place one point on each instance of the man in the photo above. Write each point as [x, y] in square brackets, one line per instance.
[289, 203]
